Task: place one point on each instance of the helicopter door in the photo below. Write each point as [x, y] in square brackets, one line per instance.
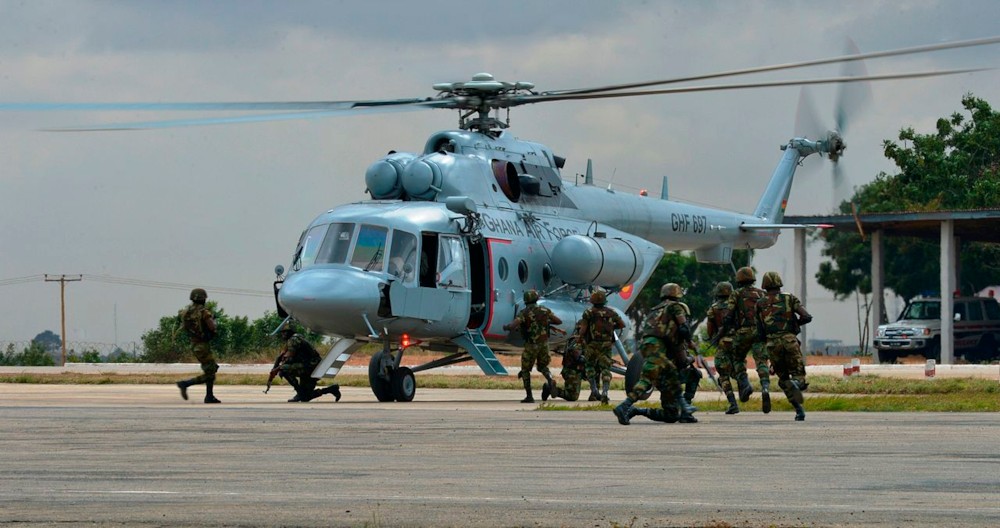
[500, 299]
[442, 293]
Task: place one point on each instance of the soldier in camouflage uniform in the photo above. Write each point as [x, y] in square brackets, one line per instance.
[664, 332]
[534, 322]
[742, 317]
[727, 364]
[572, 371]
[295, 365]
[199, 324]
[597, 326]
[779, 316]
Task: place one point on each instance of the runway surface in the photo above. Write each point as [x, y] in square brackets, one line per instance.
[139, 455]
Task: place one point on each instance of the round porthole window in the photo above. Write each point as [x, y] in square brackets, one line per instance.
[522, 271]
[502, 269]
[546, 274]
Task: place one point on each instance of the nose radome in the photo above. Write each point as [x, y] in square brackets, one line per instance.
[331, 301]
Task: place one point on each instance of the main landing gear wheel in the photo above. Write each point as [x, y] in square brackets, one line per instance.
[633, 371]
[381, 387]
[404, 384]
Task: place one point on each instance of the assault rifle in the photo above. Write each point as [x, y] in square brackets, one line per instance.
[275, 370]
[700, 361]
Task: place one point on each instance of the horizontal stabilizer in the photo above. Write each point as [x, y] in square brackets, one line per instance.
[751, 227]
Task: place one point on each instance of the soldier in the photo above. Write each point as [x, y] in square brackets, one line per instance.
[664, 332]
[295, 365]
[779, 316]
[690, 377]
[726, 363]
[573, 369]
[742, 316]
[199, 324]
[534, 322]
[597, 327]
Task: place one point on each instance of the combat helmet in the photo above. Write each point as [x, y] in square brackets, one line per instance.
[530, 297]
[286, 329]
[723, 289]
[199, 295]
[771, 280]
[745, 275]
[671, 289]
[598, 298]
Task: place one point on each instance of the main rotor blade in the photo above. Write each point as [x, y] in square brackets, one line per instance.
[786, 66]
[527, 99]
[314, 114]
[279, 106]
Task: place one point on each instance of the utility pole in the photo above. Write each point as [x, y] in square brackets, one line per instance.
[62, 280]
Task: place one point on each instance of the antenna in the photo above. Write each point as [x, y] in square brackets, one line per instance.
[589, 178]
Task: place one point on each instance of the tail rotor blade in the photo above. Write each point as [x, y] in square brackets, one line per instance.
[807, 121]
[852, 98]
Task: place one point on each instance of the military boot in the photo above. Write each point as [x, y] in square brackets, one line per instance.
[665, 415]
[794, 392]
[624, 410]
[685, 415]
[209, 396]
[332, 389]
[548, 388]
[183, 386]
[745, 388]
[295, 399]
[594, 394]
[604, 392]
[734, 408]
[638, 411]
[765, 395]
[527, 390]
[800, 413]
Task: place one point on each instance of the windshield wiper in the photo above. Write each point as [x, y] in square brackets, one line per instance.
[375, 258]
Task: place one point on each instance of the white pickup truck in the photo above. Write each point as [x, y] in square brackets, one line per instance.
[918, 330]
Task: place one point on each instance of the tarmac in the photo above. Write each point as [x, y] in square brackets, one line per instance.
[139, 455]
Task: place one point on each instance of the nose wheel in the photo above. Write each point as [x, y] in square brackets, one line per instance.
[388, 381]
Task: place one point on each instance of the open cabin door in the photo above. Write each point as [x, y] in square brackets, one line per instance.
[440, 289]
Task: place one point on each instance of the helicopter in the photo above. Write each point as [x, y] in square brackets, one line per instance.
[453, 235]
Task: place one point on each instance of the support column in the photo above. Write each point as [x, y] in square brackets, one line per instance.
[878, 287]
[947, 292]
[800, 281]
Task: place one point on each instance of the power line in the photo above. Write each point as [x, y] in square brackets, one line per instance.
[123, 281]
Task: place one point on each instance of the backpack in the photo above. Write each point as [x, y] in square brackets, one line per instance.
[193, 320]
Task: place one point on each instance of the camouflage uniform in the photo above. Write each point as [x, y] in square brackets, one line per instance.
[598, 326]
[664, 336]
[743, 305]
[296, 363]
[779, 316]
[534, 322]
[729, 365]
[199, 324]
[573, 370]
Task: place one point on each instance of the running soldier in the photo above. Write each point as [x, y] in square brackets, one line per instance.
[743, 308]
[726, 363]
[535, 323]
[598, 325]
[664, 332]
[779, 317]
[199, 324]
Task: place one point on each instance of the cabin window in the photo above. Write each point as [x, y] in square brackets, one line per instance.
[370, 248]
[403, 256]
[502, 269]
[975, 311]
[451, 263]
[310, 245]
[992, 310]
[336, 244]
[522, 271]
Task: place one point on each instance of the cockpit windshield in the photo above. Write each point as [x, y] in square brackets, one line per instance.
[309, 246]
[370, 248]
[336, 244]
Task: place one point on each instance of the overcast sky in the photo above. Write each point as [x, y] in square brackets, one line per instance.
[220, 206]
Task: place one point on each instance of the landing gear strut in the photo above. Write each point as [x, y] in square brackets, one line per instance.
[388, 380]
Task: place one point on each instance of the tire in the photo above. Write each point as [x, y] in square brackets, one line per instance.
[633, 371]
[986, 350]
[380, 387]
[887, 356]
[404, 384]
[934, 351]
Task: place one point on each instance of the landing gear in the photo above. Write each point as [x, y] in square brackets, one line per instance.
[388, 380]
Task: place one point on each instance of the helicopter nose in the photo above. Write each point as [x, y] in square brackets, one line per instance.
[331, 301]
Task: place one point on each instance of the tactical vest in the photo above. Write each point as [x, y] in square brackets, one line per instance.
[776, 314]
[193, 320]
[746, 306]
[661, 323]
[601, 324]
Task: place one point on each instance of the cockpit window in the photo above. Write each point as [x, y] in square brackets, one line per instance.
[451, 262]
[310, 246]
[403, 256]
[335, 246]
[370, 248]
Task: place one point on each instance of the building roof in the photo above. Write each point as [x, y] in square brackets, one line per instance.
[980, 225]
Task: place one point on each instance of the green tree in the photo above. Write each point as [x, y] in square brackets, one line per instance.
[955, 167]
[34, 355]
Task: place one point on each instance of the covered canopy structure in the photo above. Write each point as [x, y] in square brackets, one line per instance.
[950, 227]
